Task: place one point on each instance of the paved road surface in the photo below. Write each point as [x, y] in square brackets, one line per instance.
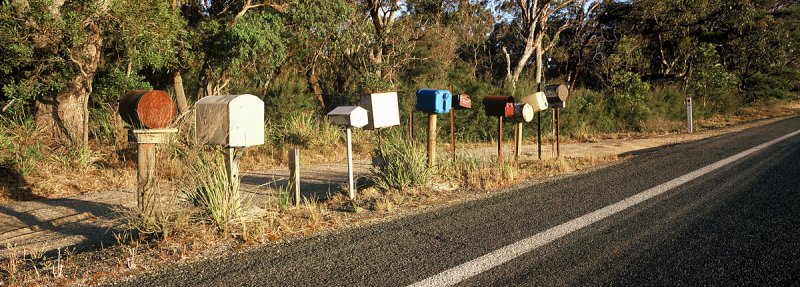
[704, 219]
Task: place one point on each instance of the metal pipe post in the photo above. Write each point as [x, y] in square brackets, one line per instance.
[350, 185]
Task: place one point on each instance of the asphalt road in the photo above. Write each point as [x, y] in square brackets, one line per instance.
[736, 225]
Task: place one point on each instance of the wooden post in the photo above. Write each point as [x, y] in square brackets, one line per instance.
[500, 142]
[558, 133]
[539, 133]
[232, 167]
[294, 175]
[351, 187]
[452, 135]
[411, 127]
[145, 179]
[517, 141]
[147, 148]
[431, 140]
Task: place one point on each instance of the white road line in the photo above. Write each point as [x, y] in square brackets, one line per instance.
[507, 253]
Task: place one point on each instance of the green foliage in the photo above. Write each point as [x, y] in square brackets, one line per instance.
[711, 83]
[144, 34]
[113, 84]
[628, 102]
[587, 112]
[400, 165]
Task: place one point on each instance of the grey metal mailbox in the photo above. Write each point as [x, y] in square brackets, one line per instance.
[382, 110]
[349, 116]
[234, 121]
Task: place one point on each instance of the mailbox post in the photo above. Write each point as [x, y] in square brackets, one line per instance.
[433, 102]
[557, 98]
[460, 102]
[538, 101]
[349, 117]
[148, 114]
[523, 113]
[234, 122]
[500, 107]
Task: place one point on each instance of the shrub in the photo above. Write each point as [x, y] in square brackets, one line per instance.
[212, 191]
[628, 103]
[400, 165]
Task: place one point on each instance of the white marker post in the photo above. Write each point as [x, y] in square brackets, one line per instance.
[351, 189]
[688, 103]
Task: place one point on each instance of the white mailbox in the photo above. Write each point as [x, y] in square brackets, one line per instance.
[382, 110]
[350, 116]
[538, 101]
[234, 121]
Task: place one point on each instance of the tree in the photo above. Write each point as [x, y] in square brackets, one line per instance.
[531, 20]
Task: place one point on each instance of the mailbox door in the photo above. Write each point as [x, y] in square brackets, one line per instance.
[462, 102]
[509, 110]
[246, 118]
[382, 109]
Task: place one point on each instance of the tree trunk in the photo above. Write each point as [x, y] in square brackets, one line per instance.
[65, 115]
[180, 94]
[313, 81]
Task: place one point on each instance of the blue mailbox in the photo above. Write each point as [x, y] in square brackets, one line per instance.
[434, 101]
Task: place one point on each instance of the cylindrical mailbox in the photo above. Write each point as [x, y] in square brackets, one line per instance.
[142, 109]
[499, 106]
[538, 101]
[462, 102]
[523, 113]
[556, 95]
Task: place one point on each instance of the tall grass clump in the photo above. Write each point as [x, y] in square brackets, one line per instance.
[305, 129]
[400, 165]
[222, 200]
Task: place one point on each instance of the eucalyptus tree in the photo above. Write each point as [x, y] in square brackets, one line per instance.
[531, 20]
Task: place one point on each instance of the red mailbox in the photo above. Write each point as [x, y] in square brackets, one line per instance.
[499, 106]
[462, 102]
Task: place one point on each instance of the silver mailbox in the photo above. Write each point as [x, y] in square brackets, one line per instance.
[382, 110]
[350, 116]
[235, 121]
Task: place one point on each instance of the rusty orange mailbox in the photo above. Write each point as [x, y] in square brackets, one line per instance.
[143, 109]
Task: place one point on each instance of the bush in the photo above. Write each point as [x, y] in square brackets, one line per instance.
[628, 103]
[400, 165]
[212, 191]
